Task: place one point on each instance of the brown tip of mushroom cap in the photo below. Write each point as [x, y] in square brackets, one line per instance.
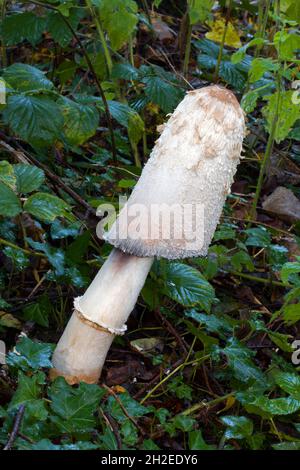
[193, 162]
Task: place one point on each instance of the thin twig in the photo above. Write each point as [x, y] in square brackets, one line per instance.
[173, 331]
[16, 427]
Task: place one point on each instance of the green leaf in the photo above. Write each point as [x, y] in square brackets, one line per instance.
[124, 71]
[196, 442]
[132, 407]
[24, 77]
[286, 44]
[74, 408]
[119, 18]
[58, 28]
[18, 257]
[240, 361]
[258, 237]
[10, 205]
[39, 311]
[200, 10]
[28, 393]
[289, 270]
[164, 94]
[239, 55]
[238, 427]
[20, 26]
[260, 66]
[277, 406]
[286, 445]
[187, 286]
[30, 355]
[290, 383]
[45, 207]
[80, 120]
[36, 119]
[7, 175]
[28, 177]
[213, 323]
[288, 114]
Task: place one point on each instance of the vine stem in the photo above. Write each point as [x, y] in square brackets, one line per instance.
[220, 55]
[107, 55]
[93, 72]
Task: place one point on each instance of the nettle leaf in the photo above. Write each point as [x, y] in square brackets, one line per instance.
[58, 28]
[28, 177]
[290, 383]
[289, 270]
[239, 55]
[291, 8]
[200, 10]
[238, 427]
[80, 120]
[187, 286]
[119, 19]
[20, 26]
[19, 258]
[10, 205]
[46, 207]
[129, 118]
[291, 313]
[165, 94]
[36, 119]
[288, 114]
[30, 354]
[231, 74]
[286, 44]
[24, 77]
[240, 361]
[74, 408]
[124, 71]
[7, 174]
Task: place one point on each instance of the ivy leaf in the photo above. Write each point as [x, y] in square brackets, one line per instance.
[24, 77]
[20, 26]
[288, 114]
[10, 205]
[132, 407]
[80, 120]
[39, 311]
[74, 408]
[28, 177]
[30, 354]
[277, 406]
[213, 323]
[187, 286]
[238, 427]
[28, 393]
[119, 18]
[258, 237]
[36, 119]
[18, 257]
[287, 445]
[45, 207]
[196, 442]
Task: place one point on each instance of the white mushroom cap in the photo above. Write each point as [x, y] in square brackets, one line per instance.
[192, 166]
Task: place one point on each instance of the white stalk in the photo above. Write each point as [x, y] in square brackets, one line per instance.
[99, 314]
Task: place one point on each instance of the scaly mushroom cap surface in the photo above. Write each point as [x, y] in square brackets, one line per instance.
[192, 167]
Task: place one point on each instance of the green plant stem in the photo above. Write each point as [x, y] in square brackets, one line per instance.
[3, 49]
[220, 55]
[106, 51]
[203, 404]
[187, 51]
[260, 279]
[16, 247]
[136, 156]
[268, 152]
[167, 377]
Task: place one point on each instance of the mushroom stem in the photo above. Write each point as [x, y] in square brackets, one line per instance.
[99, 315]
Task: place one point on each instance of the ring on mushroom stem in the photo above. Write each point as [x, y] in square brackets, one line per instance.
[192, 165]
